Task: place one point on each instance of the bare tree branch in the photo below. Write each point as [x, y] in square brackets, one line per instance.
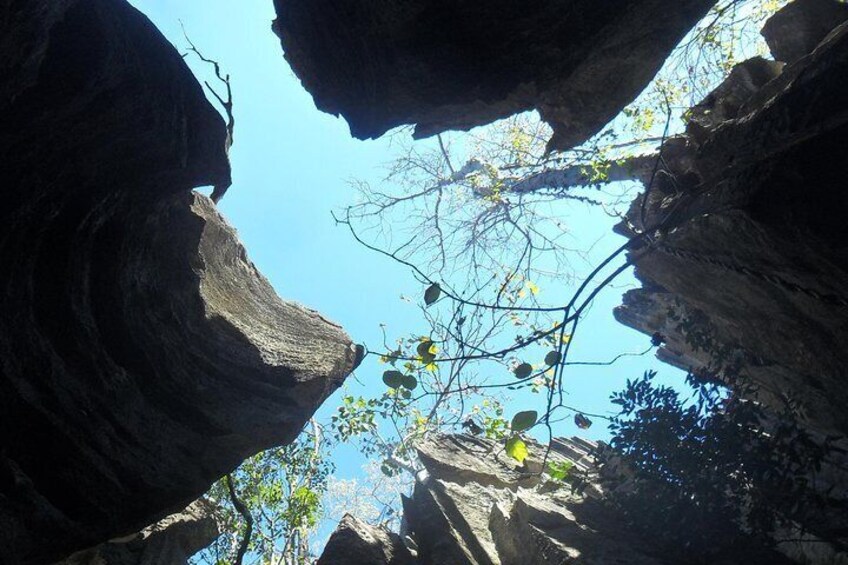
[226, 103]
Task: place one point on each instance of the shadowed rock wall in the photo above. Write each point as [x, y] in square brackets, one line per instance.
[142, 355]
[170, 541]
[446, 65]
[750, 267]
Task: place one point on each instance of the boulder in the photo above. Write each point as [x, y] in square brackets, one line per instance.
[471, 504]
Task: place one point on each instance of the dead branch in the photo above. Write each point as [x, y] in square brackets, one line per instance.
[226, 103]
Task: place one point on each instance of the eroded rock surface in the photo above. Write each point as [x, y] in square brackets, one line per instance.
[142, 355]
[454, 65]
[473, 504]
[798, 28]
[354, 541]
[749, 268]
[170, 541]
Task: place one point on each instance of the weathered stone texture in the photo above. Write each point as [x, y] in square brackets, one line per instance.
[454, 65]
[797, 29]
[142, 355]
[473, 504]
[354, 541]
[170, 541]
[753, 245]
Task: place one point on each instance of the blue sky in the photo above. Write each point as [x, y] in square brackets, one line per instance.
[291, 164]
[291, 167]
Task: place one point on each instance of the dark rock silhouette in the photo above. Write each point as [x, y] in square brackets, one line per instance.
[454, 65]
[170, 541]
[142, 355]
[750, 267]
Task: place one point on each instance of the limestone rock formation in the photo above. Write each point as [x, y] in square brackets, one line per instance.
[170, 541]
[795, 31]
[473, 504]
[747, 261]
[454, 65]
[354, 541]
[142, 355]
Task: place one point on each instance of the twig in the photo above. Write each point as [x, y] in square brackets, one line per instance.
[218, 190]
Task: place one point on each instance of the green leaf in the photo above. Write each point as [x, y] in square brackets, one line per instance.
[409, 382]
[524, 420]
[553, 358]
[582, 421]
[523, 371]
[425, 350]
[516, 449]
[432, 293]
[393, 379]
[559, 471]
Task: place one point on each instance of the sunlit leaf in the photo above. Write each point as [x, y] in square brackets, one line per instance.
[427, 351]
[559, 470]
[516, 449]
[524, 420]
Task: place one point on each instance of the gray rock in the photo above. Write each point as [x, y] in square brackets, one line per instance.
[142, 355]
[472, 505]
[171, 541]
[753, 252]
[749, 273]
[725, 102]
[354, 541]
[800, 26]
[455, 65]
[533, 529]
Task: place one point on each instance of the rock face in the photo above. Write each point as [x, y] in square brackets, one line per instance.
[749, 267]
[473, 504]
[795, 31]
[354, 541]
[454, 65]
[170, 541]
[142, 355]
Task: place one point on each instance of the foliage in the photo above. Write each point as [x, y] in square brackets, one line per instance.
[516, 448]
[718, 474]
[282, 489]
[373, 498]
